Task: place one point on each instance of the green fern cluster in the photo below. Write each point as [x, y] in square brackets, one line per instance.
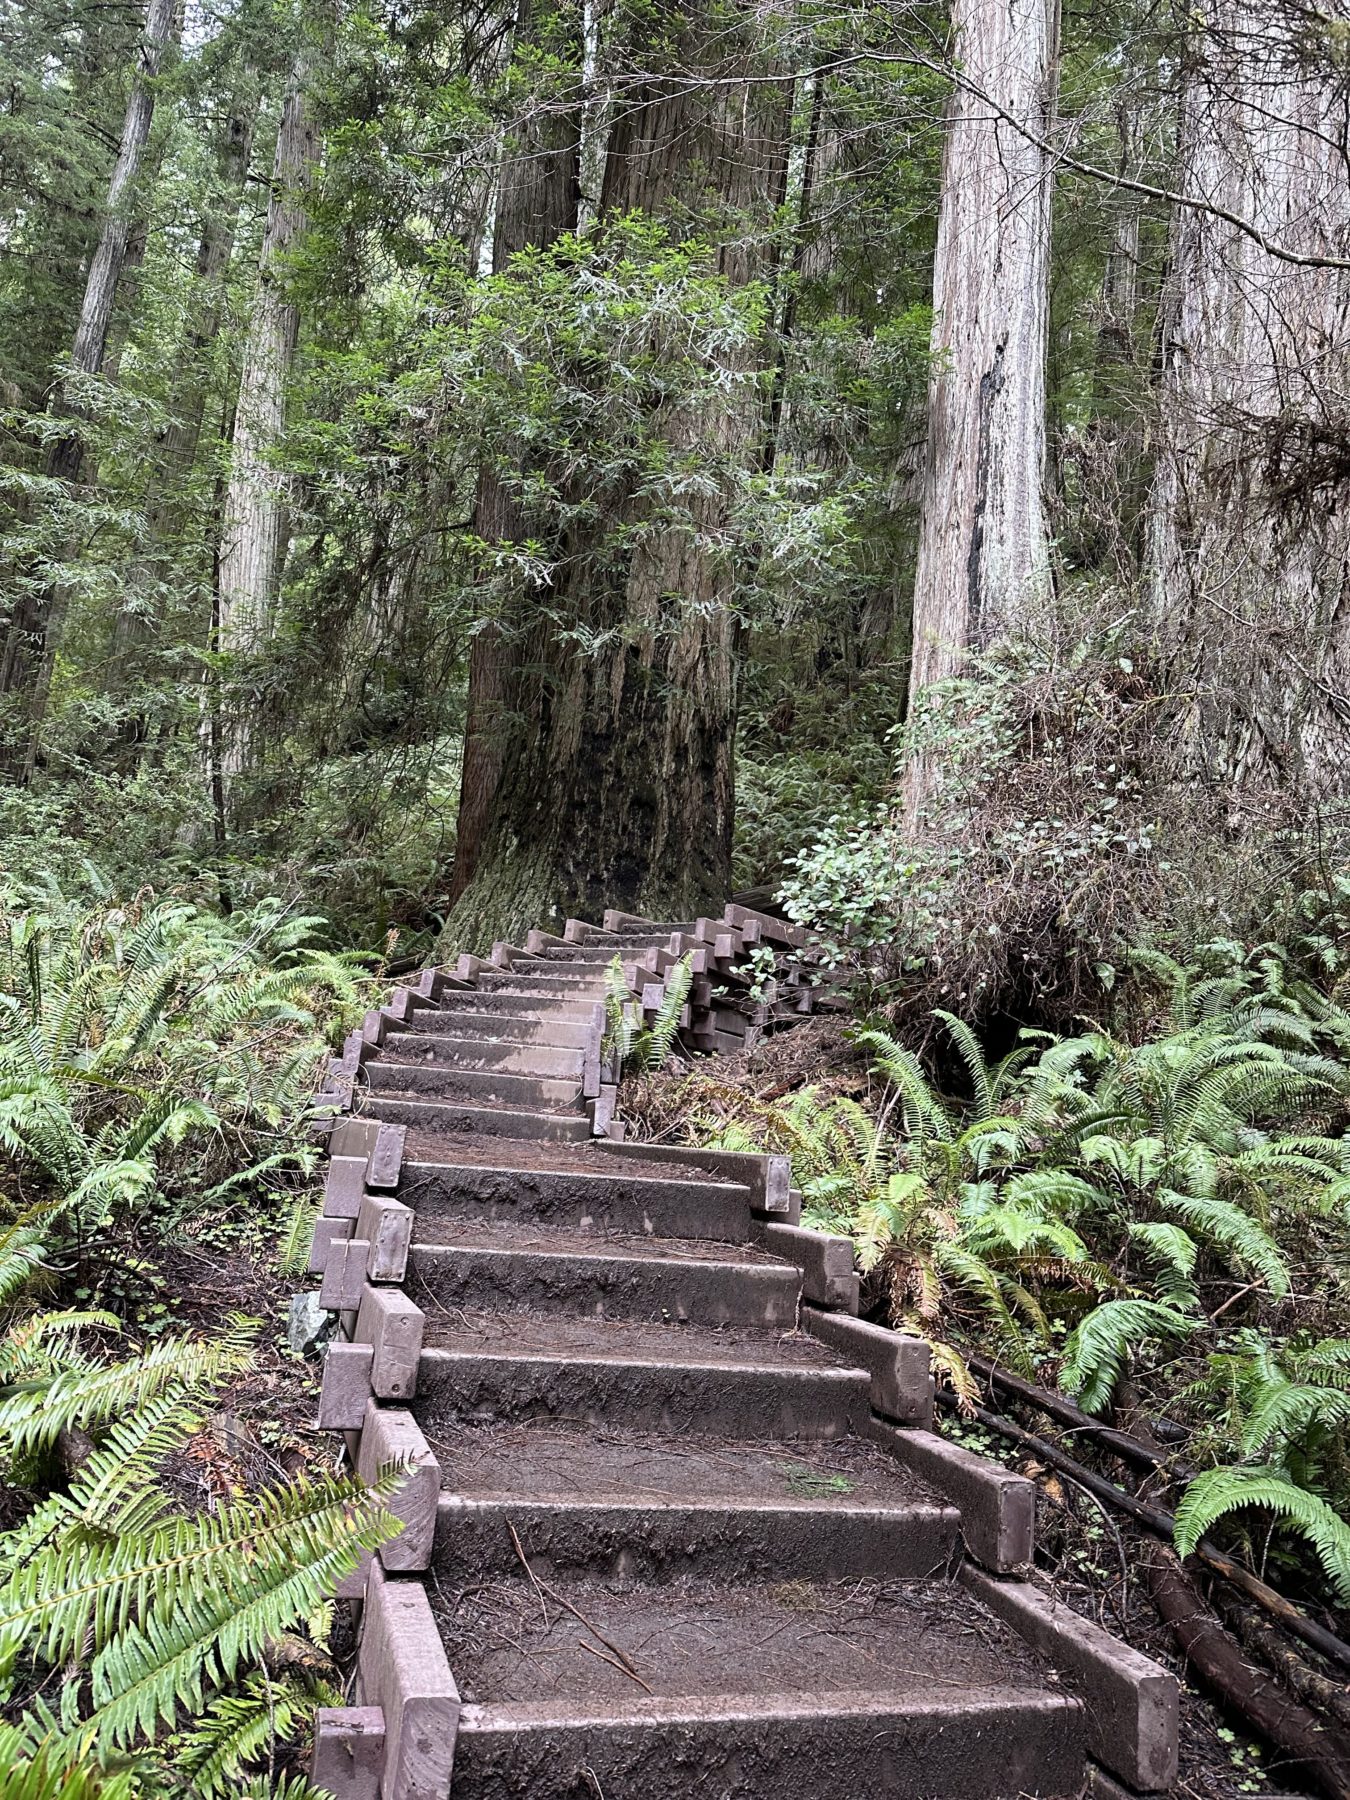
[128, 1032]
[1076, 1210]
[152, 1616]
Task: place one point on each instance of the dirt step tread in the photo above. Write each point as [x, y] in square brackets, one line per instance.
[559, 1338]
[448, 1106]
[544, 1461]
[468, 1149]
[690, 1639]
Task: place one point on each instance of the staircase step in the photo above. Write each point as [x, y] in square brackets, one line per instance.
[477, 1087]
[551, 1061]
[721, 1540]
[636, 1505]
[524, 1266]
[905, 1690]
[678, 1379]
[563, 986]
[474, 1034]
[435, 1117]
[582, 1190]
[538, 1009]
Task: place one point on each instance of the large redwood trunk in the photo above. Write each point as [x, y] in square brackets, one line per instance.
[1249, 540]
[538, 197]
[256, 511]
[615, 778]
[983, 555]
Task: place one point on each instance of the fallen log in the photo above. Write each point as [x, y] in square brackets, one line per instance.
[1163, 1524]
[1320, 1753]
[1055, 1406]
[1312, 1687]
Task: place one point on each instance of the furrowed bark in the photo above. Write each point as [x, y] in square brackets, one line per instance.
[615, 783]
[1249, 531]
[983, 556]
[539, 194]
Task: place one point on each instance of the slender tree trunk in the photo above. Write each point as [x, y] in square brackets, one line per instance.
[256, 514]
[1249, 537]
[538, 197]
[165, 501]
[983, 556]
[26, 664]
[615, 784]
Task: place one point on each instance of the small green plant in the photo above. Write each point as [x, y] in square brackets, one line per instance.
[637, 1049]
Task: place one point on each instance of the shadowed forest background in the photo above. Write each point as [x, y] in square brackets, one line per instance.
[465, 466]
[565, 383]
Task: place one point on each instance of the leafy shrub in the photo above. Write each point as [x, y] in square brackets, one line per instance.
[1066, 829]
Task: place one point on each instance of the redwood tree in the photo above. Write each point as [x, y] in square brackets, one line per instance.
[538, 198]
[614, 781]
[1250, 526]
[983, 549]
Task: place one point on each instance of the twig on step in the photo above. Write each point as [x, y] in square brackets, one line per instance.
[558, 1599]
[612, 1662]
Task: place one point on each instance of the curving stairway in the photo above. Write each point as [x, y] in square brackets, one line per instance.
[675, 1522]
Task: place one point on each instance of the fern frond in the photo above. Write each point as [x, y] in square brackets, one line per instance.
[89, 1397]
[211, 1594]
[972, 1055]
[1096, 1350]
[1220, 1492]
[1231, 1229]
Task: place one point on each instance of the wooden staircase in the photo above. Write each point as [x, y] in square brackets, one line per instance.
[675, 1520]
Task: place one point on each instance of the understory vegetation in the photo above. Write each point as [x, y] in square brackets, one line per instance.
[1149, 1215]
[466, 467]
[156, 1066]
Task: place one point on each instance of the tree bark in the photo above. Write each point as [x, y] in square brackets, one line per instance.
[27, 659]
[983, 557]
[165, 501]
[538, 197]
[255, 524]
[615, 784]
[1249, 530]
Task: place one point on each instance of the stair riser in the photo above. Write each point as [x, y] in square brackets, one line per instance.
[476, 1035]
[485, 1087]
[483, 1054]
[945, 1750]
[815, 1405]
[427, 1115]
[538, 1007]
[605, 1287]
[566, 987]
[704, 1543]
[649, 1208]
[521, 1029]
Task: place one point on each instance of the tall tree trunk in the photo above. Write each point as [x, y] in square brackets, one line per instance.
[255, 524]
[166, 502]
[26, 664]
[538, 196]
[983, 555]
[1249, 537]
[615, 784]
